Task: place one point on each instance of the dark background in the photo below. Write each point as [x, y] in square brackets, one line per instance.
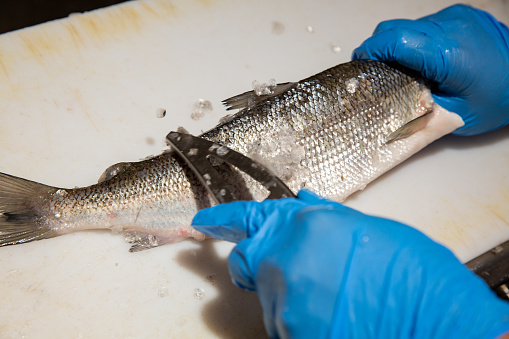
[16, 14]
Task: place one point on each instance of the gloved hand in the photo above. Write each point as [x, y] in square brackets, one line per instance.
[322, 269]
[464, 50]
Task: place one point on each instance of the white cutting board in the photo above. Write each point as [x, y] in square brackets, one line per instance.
[79, 94]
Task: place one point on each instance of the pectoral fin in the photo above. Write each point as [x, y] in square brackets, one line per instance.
[409, 128]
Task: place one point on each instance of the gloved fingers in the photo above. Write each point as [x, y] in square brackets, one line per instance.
[312, 198]
[239, 220]
[397, 24]
[273, 222]
[241, 267]
[437, 24]
[473, 123]
[410, 48]
[233, 222]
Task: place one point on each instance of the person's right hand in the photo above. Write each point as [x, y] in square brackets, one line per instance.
[461, 48]
[324, 270]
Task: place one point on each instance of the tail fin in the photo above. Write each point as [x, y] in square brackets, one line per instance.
[20, 220]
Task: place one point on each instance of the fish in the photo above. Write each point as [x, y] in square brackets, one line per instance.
[332, 133]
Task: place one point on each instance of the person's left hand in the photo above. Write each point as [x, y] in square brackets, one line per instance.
[464, 50]
[322, 269]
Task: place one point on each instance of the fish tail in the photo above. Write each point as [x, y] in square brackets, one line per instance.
[20, 216]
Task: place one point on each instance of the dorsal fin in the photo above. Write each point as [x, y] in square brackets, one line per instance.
[251, 99]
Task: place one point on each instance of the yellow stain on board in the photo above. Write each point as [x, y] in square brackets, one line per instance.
[465, 232]
[3, 68]
[80, 31]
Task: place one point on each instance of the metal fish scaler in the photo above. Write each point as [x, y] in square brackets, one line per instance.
[333, 133]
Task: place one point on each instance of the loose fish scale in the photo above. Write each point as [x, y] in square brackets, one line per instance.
[318, 134]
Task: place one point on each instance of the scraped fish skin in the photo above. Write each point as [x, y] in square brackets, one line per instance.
[328, 133]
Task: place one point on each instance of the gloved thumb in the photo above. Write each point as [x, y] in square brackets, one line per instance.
[253, 226]
[268, 225]
[241, 265]
[236, 222]
[239, 220]
[233, 222]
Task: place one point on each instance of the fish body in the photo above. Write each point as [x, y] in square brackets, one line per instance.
[333, 133]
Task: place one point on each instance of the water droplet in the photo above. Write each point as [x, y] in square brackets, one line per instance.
[365, 238]
[497, 250]
[310, 29]
[192, 151]
[60, 192]
[163, 292]
[265, 88]
[160, 112]
[197, 115]
[223, 150]
[213, 148]
[57, 215]
[222, 192]
[130, 238]
[152, 240]
[351, 85]
[203, 105]
[199, 293]
[206, 176]
[335, 48]
[200, 108]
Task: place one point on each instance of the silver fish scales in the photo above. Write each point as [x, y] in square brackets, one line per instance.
[333, 133]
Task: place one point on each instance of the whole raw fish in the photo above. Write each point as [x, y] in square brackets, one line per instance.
[333, 133]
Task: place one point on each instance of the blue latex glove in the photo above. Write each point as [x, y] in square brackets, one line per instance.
[464, 50]
[325, 270]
